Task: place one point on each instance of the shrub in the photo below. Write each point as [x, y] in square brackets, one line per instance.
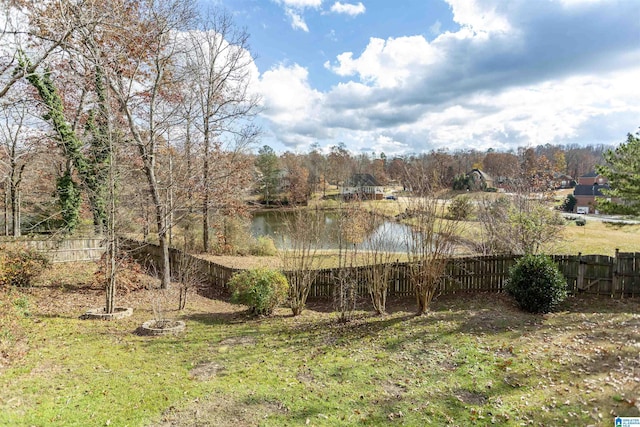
[581, 222]
[536, 284]
[461, 208]
[569, 203]
[19, 265]
[264, 246]
[262, 289]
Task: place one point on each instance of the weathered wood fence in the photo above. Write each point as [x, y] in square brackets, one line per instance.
[595, 274]
[63, 249]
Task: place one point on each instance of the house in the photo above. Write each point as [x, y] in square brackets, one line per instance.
[480, 180]
[588, 188]
[561, 180]
[363, 186]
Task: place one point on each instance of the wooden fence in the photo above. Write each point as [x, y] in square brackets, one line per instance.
[595, 274]
[63, 249]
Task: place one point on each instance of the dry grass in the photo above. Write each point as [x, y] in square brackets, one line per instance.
[598, 237]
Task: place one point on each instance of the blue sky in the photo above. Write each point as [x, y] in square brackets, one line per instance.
[410, 76]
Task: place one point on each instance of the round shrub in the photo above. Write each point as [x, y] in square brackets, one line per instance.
[536, 284]
[19, 265]
[262, 289]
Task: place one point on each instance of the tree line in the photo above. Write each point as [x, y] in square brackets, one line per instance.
[293, 177]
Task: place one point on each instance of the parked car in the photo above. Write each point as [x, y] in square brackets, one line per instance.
[391, 197]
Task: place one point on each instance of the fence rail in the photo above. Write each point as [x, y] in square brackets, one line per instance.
[62, 250]
[594, 274]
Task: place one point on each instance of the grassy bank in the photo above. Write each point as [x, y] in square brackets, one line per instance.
[475, 360]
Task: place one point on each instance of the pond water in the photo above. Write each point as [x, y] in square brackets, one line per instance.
[387, 236]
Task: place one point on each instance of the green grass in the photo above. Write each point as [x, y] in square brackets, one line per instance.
[475, 360]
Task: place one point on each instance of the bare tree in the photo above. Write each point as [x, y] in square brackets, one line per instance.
[142, 81]
[432, 238]
[518, 224]
[379, 255]
[219, 65]
[304, 228]
[352, 227]
[17, 149]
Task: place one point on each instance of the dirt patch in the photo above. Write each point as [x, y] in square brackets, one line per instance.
[393, 389]
[234, 341]
[220, 412]
[206, 370]
[470, 397]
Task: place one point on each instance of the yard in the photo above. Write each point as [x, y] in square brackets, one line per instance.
[474, 360]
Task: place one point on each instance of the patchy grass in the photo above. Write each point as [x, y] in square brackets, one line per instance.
[474, 360]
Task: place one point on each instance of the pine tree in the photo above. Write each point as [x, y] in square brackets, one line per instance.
[622, 169]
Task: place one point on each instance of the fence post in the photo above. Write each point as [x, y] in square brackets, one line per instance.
[615, 277]
[581, 271]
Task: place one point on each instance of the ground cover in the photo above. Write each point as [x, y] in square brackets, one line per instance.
[474, 360]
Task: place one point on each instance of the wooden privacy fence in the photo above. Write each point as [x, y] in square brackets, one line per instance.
[594, 274]
[62, 250]
[149, 255]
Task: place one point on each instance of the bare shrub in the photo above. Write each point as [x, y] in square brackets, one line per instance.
[304, 228]
[431, 241]
[518, 224]
[353, 223]
[379, 260]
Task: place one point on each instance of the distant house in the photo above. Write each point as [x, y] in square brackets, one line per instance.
[561, 180]
[480, 180]
[588, 188]
[363, 186]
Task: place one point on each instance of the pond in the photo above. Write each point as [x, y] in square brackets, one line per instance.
[388, 236]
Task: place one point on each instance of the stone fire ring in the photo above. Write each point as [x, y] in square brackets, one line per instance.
[99, 313]
[165, 327]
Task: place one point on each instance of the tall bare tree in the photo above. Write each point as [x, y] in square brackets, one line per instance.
[141, 75]
[17, 148]
[219, 65]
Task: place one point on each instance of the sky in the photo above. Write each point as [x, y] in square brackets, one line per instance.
[410, 76]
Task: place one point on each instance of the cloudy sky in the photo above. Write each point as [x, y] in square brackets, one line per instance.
[409, 76]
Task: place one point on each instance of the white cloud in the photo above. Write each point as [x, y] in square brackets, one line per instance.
[294, 10]
[301, 4]
[386, 63]
[297, 21]
[348, 8]
[515, 73]
[480, 15]
[288, 95]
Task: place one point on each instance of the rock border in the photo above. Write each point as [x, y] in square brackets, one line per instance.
[99, 313]
[148, 329]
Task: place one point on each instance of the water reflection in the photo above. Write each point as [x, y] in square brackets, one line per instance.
[386, 236]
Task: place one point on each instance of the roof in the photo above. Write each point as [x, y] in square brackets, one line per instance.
[363, 180]
[591, 174]
[590, 190]
[485, 176]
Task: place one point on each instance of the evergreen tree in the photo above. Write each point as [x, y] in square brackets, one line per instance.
[622, 169]
[267, 163]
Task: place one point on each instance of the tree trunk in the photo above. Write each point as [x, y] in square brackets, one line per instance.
[205, 185]
[165, 267]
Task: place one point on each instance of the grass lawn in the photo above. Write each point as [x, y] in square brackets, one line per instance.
[474, 360]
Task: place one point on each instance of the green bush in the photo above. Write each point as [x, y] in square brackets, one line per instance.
[461, 207]
[536, 284]
[19, 265]
[264, 246]
[262, 289]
